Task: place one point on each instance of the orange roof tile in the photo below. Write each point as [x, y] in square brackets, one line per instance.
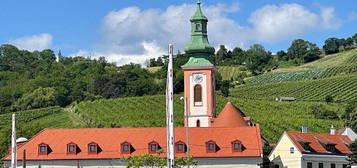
[230, 116]
[109, 140]
[316, 141]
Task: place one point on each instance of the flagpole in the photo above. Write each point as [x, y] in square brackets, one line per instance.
[169, 112]
[13, 143]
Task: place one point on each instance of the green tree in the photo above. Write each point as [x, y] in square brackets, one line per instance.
[221, 55]
[332, 45]
[239, 56]
[303, 51]
[47, 55]
[41, 97]
[329, 99]
[349, 43]
[225, 88]
[282, 55]
[320, 111]
[351, 115]
[352, 120]
[352, 158]
[258, 59]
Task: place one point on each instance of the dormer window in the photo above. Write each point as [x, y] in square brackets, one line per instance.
[71, 148]
[153, 147]
[306, 146]
[211, 146]
[125, 148]
[237, 146]
[43, 149]
[330, 147]
[93, 148]
[180, 147]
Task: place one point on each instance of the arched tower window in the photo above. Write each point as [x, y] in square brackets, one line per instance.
[198, 123]
[198, 93]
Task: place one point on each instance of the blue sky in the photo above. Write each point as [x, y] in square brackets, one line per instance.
[134, 30]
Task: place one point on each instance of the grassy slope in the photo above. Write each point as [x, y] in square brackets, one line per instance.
[31, 122]
[341, 88]
[228, 72]
[339, 59]
[334, 75]
[329, 66]
[149, 111]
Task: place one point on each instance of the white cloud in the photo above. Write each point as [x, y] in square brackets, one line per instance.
[329, 19]
[151, 50]
[35, 42]
[133, 35]
[352, 17]
[274, 23]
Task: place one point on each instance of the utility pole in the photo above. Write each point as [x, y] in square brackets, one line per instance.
[187, 131]
[13, 143]
[170, 112]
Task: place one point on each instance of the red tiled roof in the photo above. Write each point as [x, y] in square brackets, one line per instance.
[316, 141]
[230, 116]
[109, 140]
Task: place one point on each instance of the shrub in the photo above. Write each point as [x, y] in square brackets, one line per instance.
[329, 99]
[321, 112]
[41, 97]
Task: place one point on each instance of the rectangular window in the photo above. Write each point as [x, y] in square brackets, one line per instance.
[321, 165]
[333, 165]
[236, 146]
[125, 148]
[180, 147]
[153, 147]
[309, 165]
[211, 146]
[43, 149]
[71, 148]
[92, 148]
[291, 150]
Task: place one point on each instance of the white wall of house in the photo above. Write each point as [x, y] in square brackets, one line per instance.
[327, 160]
[282, 156]
[248, 162]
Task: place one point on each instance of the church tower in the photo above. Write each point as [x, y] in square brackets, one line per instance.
[199, 75]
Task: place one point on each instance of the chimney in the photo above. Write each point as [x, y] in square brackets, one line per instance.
[332, 130]
[303, 129]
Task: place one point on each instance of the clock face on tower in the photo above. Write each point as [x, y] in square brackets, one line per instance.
[197, 78]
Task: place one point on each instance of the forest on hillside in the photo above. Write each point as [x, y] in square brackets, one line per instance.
[30, 80]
